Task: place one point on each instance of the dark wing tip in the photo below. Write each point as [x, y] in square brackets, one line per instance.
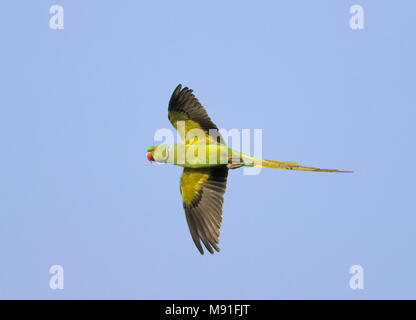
[201, 251]
[176, 92]
[178, 88]
[176, 97]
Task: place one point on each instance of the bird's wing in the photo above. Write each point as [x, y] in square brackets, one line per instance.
[183, 106]
[203, 195]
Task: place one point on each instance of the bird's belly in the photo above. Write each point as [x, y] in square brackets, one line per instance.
[201, 156]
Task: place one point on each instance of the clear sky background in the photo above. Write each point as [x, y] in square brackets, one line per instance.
[79, 107]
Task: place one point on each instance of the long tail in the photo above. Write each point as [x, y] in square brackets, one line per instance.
[285, 165]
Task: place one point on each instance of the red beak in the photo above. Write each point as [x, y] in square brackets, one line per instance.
[149, 156]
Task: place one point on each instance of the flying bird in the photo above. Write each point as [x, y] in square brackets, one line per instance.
[206, 159]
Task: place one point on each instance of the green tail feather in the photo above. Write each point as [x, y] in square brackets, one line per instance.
[275, 164]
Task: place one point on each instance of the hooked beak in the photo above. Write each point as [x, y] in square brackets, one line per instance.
[149, 156]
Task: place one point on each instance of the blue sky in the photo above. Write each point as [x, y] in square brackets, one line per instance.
[79, 107]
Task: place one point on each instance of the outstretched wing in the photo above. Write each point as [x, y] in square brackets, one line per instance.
[203, 195]
[183, 106]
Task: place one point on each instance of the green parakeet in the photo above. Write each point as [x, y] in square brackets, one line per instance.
[206, 160]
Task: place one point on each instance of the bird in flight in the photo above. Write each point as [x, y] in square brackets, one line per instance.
[206, 159]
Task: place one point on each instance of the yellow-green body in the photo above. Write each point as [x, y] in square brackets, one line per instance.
[198, 155]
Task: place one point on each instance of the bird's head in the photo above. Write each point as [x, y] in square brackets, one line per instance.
[157, 153]
[150, 152]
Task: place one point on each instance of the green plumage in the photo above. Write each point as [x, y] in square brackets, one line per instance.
[206, 159]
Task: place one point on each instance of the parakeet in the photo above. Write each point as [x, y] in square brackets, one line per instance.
[206, 159]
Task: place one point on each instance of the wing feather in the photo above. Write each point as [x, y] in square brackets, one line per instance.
[202, 202]
[184, 106]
